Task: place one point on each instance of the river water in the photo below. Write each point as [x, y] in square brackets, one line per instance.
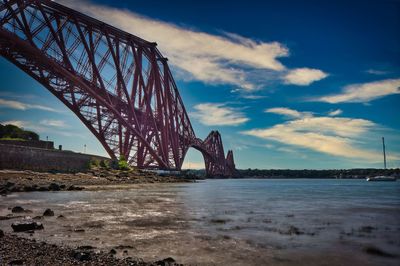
[228, 222]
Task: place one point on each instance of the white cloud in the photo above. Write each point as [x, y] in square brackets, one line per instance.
[304, 76]
[226, 58]
[24, 106]
[335, 112]
[288, 112]
[206, 57]
[12, 104]
[53, 123]
[212, 114]
[364, 92]
[331, 135]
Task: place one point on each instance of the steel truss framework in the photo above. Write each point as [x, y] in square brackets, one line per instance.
[118, 85]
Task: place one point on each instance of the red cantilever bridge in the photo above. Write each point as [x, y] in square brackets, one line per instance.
[119, 85]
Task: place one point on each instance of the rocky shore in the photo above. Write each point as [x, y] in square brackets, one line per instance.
[26, 181]
[17, 250]
[17, 247]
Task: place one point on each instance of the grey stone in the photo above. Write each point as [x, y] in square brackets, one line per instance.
[48, 212]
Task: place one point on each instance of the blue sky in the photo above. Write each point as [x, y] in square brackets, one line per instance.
[289, 84]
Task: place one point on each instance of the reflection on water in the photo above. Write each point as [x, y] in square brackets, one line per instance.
[215, 221]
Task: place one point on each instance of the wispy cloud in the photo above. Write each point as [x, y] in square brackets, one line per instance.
[364, 92]
[292, 151]
[287, 150]
[15, 95]
[304, 76]
[17, 105]
[331, 135]
[335, 112]
[377, 72]
[225, 58]
[218, 114]
[239, 147]
[253, 97]
[288, 112]
[53, 123]
[13, 104]
[46, 126]
[269, 146]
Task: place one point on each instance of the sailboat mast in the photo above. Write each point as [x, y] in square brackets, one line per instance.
[384, 151]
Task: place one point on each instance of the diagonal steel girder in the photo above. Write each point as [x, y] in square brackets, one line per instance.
[118, 85]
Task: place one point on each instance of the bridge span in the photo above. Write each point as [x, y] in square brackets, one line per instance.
[117, 84]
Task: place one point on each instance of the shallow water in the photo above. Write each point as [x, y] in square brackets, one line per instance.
[245, 221]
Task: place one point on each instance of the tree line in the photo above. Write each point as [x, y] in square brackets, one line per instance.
[12, 132]
[307, 173]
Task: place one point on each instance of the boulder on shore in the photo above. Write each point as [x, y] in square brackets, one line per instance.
[28, 225]
[54, 187]
[17, 209]
[48, 212]
[166, 262]
[113, 251]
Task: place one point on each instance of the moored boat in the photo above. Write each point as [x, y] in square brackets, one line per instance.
[381, 178]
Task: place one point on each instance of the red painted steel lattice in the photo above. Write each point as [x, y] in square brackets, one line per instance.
[117, 84]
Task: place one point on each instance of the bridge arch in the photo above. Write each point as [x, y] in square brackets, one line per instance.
[119, 85]
[214, 156]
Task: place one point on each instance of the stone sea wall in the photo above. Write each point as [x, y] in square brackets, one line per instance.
[37, 159]
[30, 143]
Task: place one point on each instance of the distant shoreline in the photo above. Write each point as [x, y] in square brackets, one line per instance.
[307, 173]
[280, 178]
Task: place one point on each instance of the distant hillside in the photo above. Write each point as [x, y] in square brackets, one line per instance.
[11, 132]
